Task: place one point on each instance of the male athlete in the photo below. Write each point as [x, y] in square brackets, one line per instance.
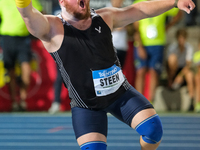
[80, 41]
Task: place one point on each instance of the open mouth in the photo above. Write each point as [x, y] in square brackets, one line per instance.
[82, 4]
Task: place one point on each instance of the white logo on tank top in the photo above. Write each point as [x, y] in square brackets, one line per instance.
[99, 30]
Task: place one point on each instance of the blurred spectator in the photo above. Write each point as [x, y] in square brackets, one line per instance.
[150, 40]
[179, 64]
[16, 45]
[196, 60]
[120, 37]
[55, 106]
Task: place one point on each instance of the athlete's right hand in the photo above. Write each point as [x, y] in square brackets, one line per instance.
[22, 3]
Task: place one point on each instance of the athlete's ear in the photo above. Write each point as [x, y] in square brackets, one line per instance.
[61, 2]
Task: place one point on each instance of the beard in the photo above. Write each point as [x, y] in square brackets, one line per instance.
[77, 13]
[81, 16]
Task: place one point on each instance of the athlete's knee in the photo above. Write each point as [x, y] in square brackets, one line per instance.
[95, 145]
[150, 129]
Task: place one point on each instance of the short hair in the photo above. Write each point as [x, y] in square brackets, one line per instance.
[181, 32]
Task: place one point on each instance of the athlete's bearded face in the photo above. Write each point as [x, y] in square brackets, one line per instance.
[78, 8]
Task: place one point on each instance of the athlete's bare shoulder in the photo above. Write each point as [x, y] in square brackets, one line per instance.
[106, 14]
[55, 35]
[54, 21]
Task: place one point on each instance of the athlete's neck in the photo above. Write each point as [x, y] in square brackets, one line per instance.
[82, 24]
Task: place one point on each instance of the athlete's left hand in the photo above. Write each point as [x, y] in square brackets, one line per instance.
[186, 5]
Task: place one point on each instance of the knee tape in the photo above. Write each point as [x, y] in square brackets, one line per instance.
[150, 129]
[96, 145]
[22, 3]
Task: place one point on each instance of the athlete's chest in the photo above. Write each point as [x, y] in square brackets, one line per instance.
[97, 36]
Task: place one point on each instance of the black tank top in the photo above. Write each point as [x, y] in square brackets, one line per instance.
[81, 56]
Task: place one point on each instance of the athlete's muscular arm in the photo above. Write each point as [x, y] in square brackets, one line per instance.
[36, 23]
[124, 16]
[47, 28]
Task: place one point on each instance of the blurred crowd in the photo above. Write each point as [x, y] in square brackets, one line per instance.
[166, 52]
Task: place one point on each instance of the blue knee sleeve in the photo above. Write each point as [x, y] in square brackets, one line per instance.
[150, 129]
[96, 145]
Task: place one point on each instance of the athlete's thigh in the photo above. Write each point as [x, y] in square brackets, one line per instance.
[134, 109]
[128, 105]
[89, 125]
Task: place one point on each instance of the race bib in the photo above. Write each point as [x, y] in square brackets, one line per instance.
[107, 81]
[152, 32]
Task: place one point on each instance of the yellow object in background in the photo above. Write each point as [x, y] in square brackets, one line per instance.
[22, 3]
[2, 74]
[196, 57]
